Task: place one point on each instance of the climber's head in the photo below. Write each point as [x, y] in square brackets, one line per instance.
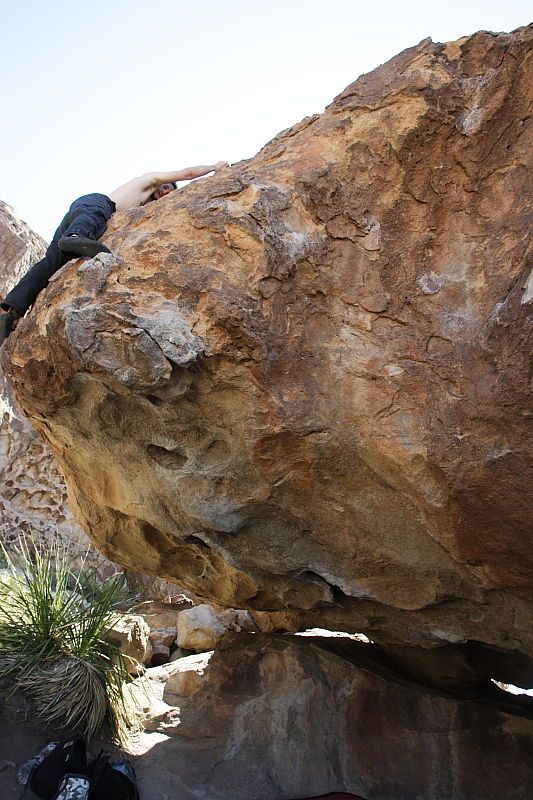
[162, 190]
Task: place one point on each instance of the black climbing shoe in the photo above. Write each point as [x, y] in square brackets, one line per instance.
[8, 323]
[81, 246]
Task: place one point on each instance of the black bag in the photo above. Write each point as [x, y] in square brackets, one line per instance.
[64, 774]
[112, 780]
[67, 758]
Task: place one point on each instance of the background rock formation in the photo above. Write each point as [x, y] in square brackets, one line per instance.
[302, 383]
[33, 496]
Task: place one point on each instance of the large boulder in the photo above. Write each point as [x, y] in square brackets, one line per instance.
[302, 383]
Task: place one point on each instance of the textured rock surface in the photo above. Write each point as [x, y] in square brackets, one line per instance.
[131, 634]
[20, 247]
[301, 383]
[163, 636]
[33, 496]
[199, 629]
[282, 719]
[184, 679]
[160, 654]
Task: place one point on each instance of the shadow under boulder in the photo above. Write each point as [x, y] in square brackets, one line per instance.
[278, 717]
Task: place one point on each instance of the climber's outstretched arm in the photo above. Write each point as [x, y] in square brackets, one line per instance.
[154, 179]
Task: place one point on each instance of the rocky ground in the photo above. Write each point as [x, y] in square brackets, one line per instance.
[21, 738]
[283, 715]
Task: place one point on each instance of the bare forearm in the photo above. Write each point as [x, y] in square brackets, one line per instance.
[187, 174]
[196, 172]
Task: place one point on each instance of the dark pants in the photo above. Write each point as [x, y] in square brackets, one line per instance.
[87, 216]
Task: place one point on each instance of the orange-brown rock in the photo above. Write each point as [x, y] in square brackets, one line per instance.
[302, 383]
[33, 496]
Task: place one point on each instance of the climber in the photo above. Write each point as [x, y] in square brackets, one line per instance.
[77, 235]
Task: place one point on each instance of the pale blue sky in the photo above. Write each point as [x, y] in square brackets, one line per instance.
[95, 93]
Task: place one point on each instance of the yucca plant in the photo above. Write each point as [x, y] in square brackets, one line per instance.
[52, 641]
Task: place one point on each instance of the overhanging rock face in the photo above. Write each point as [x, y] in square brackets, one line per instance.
[303, 382]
